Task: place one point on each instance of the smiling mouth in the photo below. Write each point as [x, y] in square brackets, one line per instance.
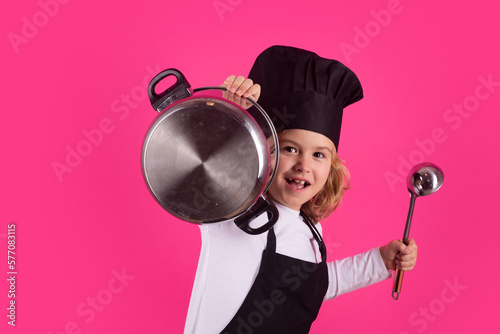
[297, 184]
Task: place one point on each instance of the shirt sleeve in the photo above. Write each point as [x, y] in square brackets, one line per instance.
[355, 272]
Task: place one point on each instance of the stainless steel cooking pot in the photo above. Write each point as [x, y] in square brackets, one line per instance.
[208, 159]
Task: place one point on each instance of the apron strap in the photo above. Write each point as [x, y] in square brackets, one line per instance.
[271, 240]
[316, 235]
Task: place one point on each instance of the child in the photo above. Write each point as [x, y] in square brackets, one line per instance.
[275, 282]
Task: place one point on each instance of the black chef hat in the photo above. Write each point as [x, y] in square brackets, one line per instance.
[301, 90]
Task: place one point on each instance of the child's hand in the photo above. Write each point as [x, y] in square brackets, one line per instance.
[397, 255]
[239, 88]
[242, 87]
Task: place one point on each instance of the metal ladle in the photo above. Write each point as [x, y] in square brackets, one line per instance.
[422, 180]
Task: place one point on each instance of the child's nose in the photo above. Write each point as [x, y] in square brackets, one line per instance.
[303, 164]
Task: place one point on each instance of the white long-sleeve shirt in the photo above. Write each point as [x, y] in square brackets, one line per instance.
[230, 260]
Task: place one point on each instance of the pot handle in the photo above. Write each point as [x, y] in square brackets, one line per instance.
[262, 205]
[179, 90]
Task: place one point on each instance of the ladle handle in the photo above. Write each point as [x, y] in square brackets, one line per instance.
[398, 282]
[398, 275]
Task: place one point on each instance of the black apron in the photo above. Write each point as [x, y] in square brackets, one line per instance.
[286, 295]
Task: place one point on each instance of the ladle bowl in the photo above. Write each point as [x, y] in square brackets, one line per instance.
[423, 179]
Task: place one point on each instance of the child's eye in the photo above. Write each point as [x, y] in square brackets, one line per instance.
[290, 149]
[319, 155]
[272, 150]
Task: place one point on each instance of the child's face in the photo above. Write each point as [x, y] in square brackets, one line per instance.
[304, 165]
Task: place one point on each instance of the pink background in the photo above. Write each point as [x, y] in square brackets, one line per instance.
[71, 67]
